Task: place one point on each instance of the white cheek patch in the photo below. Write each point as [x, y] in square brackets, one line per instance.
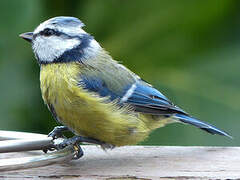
[49, 48]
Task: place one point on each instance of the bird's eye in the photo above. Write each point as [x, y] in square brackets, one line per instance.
[47, 32]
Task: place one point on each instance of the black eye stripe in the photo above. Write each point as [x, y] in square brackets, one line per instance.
[51, 32]
[48, 32]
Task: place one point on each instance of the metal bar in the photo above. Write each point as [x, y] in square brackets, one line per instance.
[37, 161]
[10, 135]
[25, 145]
[12, 141]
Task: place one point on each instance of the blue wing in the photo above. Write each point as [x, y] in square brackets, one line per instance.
[145, 99]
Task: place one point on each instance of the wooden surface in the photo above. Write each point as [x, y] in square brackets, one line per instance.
[141, 162]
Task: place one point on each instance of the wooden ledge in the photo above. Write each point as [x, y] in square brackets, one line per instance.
[142, 162]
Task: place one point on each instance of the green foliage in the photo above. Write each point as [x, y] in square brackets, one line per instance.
[187, 49]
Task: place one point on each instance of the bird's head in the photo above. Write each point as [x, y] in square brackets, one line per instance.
[61, 39]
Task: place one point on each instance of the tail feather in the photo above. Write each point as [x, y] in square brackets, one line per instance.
[202, 125]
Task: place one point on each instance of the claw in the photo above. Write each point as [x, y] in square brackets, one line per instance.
[74, 142]
[79, 151]
[49, 148]
[57, 132]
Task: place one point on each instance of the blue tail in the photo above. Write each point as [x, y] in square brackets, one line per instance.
[202, 125]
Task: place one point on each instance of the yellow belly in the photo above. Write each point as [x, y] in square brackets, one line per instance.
[88, 114]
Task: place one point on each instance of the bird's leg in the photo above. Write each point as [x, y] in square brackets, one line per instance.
[78, 139]
[75, 142]
[57, 132]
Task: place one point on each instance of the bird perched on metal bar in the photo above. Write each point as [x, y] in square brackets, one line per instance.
[94, 96]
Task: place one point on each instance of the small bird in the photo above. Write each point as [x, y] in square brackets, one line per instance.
[94, 96]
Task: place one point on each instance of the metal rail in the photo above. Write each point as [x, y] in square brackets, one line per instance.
[12, 141]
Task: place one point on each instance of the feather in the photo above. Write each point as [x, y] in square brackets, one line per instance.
[202, 125]
[143, 98]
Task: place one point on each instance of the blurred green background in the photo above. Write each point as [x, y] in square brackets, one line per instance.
[190, 50]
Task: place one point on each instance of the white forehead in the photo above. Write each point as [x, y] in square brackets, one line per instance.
[68, 25]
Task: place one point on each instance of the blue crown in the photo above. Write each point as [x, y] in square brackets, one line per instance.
[66, 20]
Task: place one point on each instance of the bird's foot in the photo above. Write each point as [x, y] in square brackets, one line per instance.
[74, 141]
[57, 132]
[77, 148]
[49, 148]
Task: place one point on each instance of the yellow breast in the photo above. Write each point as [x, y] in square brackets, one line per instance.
[86, 113]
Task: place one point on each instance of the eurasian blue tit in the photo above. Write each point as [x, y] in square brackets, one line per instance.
[94, 96]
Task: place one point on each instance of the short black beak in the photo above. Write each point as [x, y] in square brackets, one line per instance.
[28, 36]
